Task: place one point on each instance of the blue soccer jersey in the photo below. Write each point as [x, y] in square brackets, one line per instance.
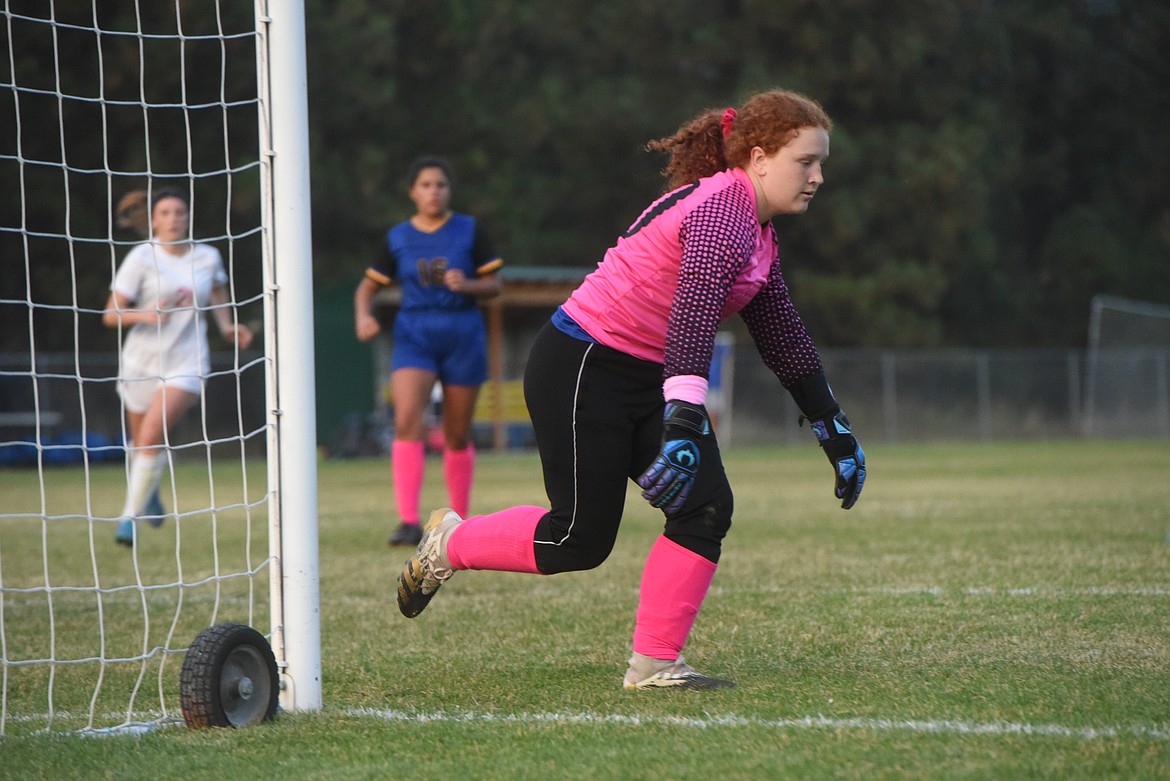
[437, 329]
[418, 261]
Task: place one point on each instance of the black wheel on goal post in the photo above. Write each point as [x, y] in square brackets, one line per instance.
[229, 678]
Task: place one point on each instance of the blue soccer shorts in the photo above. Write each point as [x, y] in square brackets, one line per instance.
[452, 344]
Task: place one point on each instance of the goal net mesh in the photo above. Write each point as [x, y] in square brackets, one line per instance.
[1127, 390]
[97, 100]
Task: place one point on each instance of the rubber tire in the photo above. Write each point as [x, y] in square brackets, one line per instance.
[229, 678]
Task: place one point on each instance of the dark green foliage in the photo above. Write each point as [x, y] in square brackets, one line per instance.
[994, 165]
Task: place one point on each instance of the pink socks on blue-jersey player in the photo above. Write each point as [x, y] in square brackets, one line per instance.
[458, 471]
[502, 541]
[407, 462]
[674, 583]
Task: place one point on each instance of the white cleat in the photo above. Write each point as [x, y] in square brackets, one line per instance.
[646, 672]
[428, 568]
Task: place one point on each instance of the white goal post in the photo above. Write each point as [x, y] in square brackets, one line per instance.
[292, 388]
[220, 586]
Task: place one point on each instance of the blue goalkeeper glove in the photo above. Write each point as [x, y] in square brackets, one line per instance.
[670, 477]
[835, 436]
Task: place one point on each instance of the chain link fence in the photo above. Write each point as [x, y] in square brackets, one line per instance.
[979, 395]
[889, 395]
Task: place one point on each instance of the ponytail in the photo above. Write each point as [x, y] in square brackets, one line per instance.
[131, 213]
[695, 149]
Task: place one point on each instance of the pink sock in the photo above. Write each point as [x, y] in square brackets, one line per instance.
[407, 461]
[458, 470]
[674, 583]
[502, 541]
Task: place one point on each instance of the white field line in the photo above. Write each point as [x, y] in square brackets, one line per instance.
[711, 721]
[970, 591]
[994, 728]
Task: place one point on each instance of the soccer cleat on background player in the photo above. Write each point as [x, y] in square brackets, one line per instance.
[125, 532]
[409, 534]
[428, 568]
[646, 672]
[153, 513]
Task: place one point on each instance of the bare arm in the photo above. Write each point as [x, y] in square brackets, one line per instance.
[365, 324]
[120, 312]
[487, 286]
[230, 330]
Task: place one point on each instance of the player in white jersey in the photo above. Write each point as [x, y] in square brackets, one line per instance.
[161, 299]
[616, 383]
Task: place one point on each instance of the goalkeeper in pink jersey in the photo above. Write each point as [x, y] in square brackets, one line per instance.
[616, 382]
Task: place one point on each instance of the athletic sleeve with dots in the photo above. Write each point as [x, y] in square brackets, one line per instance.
[779, 333]
[718, 238]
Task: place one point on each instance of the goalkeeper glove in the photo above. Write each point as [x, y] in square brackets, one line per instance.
[836, 438]
[670, 477]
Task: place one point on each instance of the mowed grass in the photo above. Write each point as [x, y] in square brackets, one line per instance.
[989, 611]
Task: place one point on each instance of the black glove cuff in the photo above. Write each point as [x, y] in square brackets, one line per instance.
[683, 414]
[814, 397]
[837, 444]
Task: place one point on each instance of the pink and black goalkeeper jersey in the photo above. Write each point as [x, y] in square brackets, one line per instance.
[696, 256]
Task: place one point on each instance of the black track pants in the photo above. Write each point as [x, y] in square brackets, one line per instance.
[597, 414]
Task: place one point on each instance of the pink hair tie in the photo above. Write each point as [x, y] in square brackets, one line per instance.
[728, 120]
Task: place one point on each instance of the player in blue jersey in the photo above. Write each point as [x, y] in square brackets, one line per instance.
[444, 263]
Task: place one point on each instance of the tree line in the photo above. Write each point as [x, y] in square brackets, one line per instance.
[994, 164]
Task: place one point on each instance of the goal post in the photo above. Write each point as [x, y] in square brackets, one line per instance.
[292, 397]
[1127, 368]
[96, 100]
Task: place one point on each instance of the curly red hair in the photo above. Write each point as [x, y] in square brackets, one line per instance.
[768, 120]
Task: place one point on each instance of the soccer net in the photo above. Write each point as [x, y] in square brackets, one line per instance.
[98, 100]
[1127, 373]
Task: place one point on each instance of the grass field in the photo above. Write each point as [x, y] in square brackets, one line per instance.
[985, 612]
